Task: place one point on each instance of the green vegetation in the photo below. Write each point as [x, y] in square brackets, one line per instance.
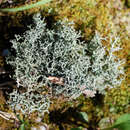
[25, 7]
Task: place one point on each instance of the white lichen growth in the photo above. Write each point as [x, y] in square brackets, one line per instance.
[41, 53]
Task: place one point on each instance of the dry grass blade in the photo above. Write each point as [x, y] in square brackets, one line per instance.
[8, 116]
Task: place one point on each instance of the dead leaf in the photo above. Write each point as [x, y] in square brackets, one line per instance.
[56, 80]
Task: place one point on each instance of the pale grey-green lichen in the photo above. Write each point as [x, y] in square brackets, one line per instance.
[42, 52]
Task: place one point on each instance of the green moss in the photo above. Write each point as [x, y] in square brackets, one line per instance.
[118, 99]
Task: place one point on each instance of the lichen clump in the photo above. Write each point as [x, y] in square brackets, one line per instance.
[58, 59]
